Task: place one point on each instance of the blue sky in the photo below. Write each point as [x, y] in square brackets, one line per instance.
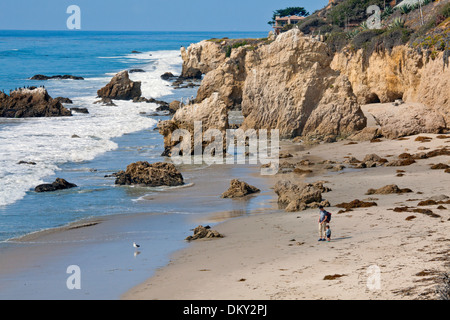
[147, 15]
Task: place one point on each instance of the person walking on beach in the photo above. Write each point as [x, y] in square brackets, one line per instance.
[324, 219]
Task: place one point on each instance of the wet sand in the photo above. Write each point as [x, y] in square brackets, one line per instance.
[375, 252]
[34, 266]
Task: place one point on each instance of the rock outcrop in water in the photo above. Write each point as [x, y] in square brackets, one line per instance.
[31, 102]
[121, 88]
[57, 77]
[58, 184]
[151, 175]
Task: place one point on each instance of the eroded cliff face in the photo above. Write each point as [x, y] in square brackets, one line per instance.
[400, 74]
[200, 58]
[287, 85]
[295, 84]
[290, 86]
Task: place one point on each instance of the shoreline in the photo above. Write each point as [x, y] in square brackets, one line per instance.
[34, 266]
[277, 255]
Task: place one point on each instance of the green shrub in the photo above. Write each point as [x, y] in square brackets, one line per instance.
[398, 22]
[364, 38]
[239, 44]
[309, 25]
[228, 51]
[351, 10]
[337, 40]
[445, 11]
[395, 37]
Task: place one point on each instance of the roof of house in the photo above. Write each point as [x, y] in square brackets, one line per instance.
[291, 17]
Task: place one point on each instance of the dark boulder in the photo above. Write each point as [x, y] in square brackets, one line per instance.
[106, 102]
[167, 76]
[59, 184]
[33, 102]
[80, 110]
[64, 100]
[121, 88]
[152, 175]
[136, 70]
[57, 77]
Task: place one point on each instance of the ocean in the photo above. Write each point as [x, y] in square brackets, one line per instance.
[83, 149]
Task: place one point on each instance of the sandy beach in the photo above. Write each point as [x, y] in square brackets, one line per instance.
[374, 253]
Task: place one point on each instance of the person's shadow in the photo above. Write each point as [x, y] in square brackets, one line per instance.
[341, 238]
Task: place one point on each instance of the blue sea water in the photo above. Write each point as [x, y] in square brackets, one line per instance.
[84, 148]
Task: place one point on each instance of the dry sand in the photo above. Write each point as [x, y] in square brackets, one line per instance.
[276, 255]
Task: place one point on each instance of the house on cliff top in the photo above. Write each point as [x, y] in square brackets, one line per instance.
[281, 22]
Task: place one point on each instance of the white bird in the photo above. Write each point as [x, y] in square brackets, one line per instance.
[135, 245]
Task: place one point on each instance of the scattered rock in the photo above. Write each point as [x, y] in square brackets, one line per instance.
[284, 155]
[356, 204]
[27, 162]
[427, 212]
[168, 76]
[439, 166]
[239, 189]
[106, 102]
[64, 100]
[338, 167]
[388, 189]
[152, 175]
[302, 171]
[202, 232]
[121, 88]
[80, 110]
[136, 70]
[423, 139]
[400, 162]
[334, 276]
[58, 184]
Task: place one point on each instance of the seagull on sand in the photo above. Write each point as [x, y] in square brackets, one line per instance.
[135, 245]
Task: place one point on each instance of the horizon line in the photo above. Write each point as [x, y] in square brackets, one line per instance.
[81, 30]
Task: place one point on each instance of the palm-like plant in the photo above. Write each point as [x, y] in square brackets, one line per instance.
[398, 22]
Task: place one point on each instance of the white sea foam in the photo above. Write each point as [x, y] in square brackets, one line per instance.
[50, 142]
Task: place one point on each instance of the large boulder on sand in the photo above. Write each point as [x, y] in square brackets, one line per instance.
[152, 175]
[239, 189]
[32, 102]
[297, 197]
[202, 232]
[121, 88]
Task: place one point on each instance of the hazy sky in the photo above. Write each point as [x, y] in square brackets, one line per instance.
[148, 15]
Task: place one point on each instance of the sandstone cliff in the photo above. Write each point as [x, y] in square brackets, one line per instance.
[291, 87]
[201, 58]
[401, 74]
[286, 84]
